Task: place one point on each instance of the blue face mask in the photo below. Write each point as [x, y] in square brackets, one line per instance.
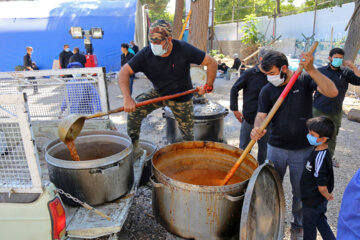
[336, 62]
[312, 140]
[67, 49]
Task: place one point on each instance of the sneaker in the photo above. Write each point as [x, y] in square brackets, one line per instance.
[137, 150]
[296, 233]
[335, 163]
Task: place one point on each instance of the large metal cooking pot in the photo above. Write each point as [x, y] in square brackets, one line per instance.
[256, 207]
[104, 173]
[150, 149]
[208, 126]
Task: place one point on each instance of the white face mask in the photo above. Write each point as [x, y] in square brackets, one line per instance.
[157, 49]
[276, 80]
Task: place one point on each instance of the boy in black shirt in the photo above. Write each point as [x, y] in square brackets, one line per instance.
[317, 181]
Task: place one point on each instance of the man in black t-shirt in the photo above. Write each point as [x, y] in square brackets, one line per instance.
[28, 66]
[251, 82]
[332, 107]
[78, 57]
[166, 63]
[134, 47]
[317, 180]
[64, 56]
[125, 58]
[287, 144]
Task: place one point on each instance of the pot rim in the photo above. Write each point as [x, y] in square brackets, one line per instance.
[169, 182]
[68, 164]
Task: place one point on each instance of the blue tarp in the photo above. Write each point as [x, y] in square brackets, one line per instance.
[45, 26]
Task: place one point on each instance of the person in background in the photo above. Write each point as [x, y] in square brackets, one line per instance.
[64, 56]
[222, 68]
[287, 144]
[242, 67]
[82, 97]
[125, 58]
[237, 62]
[134, 47]
[317, 180]
[78, 57]
[251, 82]
[28, 66]
[166, 63]
[332, 107]
[235, 66]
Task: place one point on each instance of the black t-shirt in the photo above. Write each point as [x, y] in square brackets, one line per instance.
[78, 58]
[64, 58]
[251, 81]
[237, 63]
[341, 78]
[27, 61]
[125, 59]
[318, 171]
[170, 74]
[288, 126]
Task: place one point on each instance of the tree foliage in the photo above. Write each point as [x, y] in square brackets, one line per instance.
[157, 9]
[249, 30]
[224, 8]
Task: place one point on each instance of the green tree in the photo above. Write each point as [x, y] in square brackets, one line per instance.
[251, 34]
[157, 9]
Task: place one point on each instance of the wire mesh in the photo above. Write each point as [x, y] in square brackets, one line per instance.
[52, 96]
[14, 171]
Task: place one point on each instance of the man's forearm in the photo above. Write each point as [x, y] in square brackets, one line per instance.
[326, 86]
[259, 119]
[211, 73]
[124, 83]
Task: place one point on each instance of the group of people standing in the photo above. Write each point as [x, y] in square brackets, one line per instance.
[294, 139]
[66, 57]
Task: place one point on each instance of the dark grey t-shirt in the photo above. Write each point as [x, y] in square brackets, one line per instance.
[169, 74]
[288, 126]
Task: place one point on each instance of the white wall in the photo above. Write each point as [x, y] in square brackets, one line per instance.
[294, 26]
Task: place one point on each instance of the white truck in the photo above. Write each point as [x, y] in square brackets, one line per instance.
[30, 205]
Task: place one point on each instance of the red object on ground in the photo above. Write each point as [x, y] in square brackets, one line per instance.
[91, 60]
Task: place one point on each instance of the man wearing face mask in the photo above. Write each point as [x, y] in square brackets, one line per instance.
[64, 56]
[332, 107]
[251, 82]
[288, 144]
[166, 63]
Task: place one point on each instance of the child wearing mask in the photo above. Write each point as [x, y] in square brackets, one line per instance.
[317, 181]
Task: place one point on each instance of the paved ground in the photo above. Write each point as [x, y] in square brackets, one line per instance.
[141, 224]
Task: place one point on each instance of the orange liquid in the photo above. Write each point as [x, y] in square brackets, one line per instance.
[71, 146]
[204, 177]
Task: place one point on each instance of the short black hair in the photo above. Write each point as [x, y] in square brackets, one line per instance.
[336, 51]
[322, 126]
[125, 45]
[273, 58]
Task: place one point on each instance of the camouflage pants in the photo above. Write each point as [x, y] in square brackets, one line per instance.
[183, 113]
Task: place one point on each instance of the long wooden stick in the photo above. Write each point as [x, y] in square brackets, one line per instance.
[268, 118]
[154, 100]
[256, 52]
[184, 26]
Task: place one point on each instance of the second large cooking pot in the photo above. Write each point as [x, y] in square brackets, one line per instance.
[208, 122]
[189, 201]
[104, 173]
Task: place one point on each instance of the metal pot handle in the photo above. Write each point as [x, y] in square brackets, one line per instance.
[102, 171]
[155, 183]
[234, 199]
